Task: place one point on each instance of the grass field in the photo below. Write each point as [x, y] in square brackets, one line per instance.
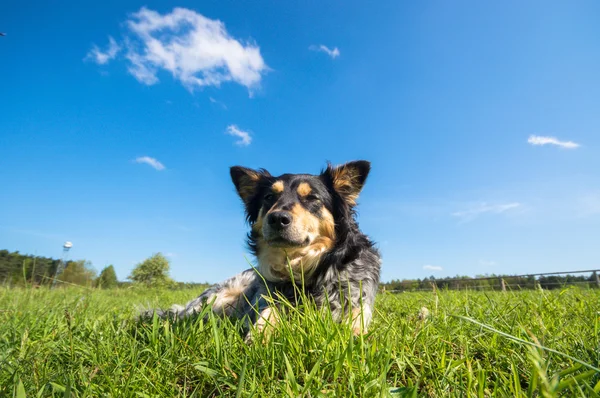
[80, 342]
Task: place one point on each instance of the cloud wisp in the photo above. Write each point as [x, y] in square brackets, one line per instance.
[244, 136]
[217, 102]
[151, 162]
[484, 208]
[333, 53]
[197, 51]
[103, 57]
[432, 268]
[538, 140]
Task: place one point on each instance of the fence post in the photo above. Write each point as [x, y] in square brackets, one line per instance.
[597, 279]
[503, 284]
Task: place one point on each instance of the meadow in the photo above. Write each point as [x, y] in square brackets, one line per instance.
[86, 343]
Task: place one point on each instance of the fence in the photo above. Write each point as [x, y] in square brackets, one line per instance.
[546, 280]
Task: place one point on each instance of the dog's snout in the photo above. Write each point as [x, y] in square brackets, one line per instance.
[280, 219]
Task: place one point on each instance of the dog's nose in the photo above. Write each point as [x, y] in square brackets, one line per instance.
[279, 219]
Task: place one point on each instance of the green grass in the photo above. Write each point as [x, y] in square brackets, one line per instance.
[85, 343]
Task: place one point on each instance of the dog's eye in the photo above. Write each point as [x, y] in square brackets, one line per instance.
[269, 196]
[312, 198]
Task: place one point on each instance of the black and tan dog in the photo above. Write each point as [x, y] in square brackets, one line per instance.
[303, 235]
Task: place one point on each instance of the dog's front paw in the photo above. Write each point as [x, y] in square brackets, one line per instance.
[249, 338]
[261, 336]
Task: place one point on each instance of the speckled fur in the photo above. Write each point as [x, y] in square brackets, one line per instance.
[346, 277]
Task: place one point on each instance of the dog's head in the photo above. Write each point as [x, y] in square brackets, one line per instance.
[297, 218]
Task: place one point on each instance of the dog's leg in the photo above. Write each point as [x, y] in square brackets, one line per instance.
[362, 297]
[228, 298]
[267, 319]
[360, 318]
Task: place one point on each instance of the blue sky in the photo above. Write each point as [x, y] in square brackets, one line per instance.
[480, 119]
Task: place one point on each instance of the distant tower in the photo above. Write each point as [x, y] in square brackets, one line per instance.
[63, 261]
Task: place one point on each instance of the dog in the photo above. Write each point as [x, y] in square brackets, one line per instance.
[303, 235]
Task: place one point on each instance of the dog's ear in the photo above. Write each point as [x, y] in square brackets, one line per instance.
[246, 181]
[348, 179]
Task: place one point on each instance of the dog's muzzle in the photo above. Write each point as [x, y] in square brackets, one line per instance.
[280, 231]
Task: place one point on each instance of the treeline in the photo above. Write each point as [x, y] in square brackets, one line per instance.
[492, 282]
[15, 268]
[18, 269]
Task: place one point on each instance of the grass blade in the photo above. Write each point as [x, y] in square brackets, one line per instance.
[509, 336]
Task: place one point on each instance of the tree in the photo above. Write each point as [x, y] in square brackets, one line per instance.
[154, 272]
[107, 278]
[78, 273]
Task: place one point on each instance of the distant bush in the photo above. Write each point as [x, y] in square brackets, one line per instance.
[78, 273]
[152, 272]
[107, 278]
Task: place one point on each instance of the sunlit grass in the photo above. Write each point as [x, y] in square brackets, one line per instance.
[86, 343]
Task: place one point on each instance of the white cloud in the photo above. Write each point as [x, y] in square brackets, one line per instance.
[324, 49]
[150, 161]
[483, 208]
[137, 67]
[432, 268]
[196, 50]
[217, 102]
[541, 140]
[103, 57]
[244, 137]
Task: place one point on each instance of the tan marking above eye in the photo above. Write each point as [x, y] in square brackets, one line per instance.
[277, 187]
[304, 189]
